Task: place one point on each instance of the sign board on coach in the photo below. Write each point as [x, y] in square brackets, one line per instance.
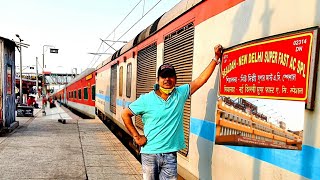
[277, 67]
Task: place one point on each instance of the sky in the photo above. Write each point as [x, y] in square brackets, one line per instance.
[75, 27]
[291, 112]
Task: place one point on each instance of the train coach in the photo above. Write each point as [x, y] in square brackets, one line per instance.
[185, 37]
[59, 95]
[79, 94]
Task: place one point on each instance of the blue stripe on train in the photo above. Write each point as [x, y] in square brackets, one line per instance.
[103, 97]
[107, 99]
[305, 162]
[204, 129]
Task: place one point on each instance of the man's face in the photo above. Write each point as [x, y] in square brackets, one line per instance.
[167, 82]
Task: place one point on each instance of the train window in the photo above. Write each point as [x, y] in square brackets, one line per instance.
[93, 92]
[79, 93]
[74, 94]
[129, 79]
[85, 93]
[120, 81]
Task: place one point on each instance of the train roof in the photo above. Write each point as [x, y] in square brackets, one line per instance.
[161, 22]
[82, 75]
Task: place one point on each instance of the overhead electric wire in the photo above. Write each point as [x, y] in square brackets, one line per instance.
[114, 31]
[130, 28]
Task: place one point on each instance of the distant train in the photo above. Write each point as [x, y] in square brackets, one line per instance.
[80, 94]
[185, 37]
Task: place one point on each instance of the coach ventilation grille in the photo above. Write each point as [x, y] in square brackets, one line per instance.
[146, 73]
[178, 51]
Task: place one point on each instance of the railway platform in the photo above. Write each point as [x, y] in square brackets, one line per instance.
[43, 148]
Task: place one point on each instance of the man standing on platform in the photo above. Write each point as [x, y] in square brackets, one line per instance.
[162, 116]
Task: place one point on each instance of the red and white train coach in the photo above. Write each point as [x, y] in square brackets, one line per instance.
[60, 95]
[185, 37]
[79, 94]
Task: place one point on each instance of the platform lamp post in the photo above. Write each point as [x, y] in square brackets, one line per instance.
[19, 46]
[20, 67]
[44, 91]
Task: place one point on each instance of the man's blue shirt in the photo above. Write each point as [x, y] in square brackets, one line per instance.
[162, 120]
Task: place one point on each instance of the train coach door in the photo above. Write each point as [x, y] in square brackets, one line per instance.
[178, 51]
[113, 89]
[64, 95]
[146, 73]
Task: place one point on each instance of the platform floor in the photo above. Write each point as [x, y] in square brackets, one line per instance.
[43, 148]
